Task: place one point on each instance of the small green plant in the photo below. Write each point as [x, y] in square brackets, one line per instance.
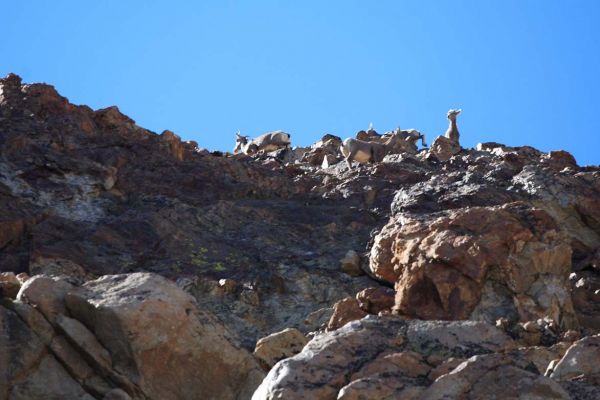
[219, 267]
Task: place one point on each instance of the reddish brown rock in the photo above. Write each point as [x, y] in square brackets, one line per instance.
[441, 267]
[376, 299]
[345, 311]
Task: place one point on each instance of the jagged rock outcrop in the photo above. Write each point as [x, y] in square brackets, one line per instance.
[508, 236]
[483, 263]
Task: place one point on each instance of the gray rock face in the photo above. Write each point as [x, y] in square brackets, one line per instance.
[580, 359]
[328, 362]
[484, 377]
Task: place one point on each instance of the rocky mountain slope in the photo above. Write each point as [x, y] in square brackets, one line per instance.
[138, 266]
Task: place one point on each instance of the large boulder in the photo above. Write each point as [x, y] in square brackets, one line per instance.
[390, 353]
[29, 370]
[279, 345]
[494, 376]
[161, 341]
[482, 263]
[580, 360]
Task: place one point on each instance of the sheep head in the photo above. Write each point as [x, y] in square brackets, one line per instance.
[240, 141]
[453, 113]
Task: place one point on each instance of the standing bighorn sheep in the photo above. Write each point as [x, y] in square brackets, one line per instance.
[267, 142]
[364, 152]
[452, 132]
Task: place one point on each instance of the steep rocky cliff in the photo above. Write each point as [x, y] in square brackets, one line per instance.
[135, 265]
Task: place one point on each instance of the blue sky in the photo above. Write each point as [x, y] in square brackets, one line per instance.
[524, 72]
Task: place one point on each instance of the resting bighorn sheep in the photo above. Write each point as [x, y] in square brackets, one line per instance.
[364, 152]
[267, 142]
[452, 132]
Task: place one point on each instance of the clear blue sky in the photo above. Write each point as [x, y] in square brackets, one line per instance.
[524, 72]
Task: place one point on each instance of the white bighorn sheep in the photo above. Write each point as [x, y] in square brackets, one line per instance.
[364, 152]
[267, 142]
[452, 132]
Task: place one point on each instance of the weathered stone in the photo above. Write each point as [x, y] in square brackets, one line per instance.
[350, 264]
[327, 365]
[21, 349]
[35, 321]
[279, 345]
[84, 341]
[408, 363]
[445, 367]
[486, 376]
[375, 300]
[71, 359]
[161, 341]
[48, 381]
[441, 268]
[46, 294]
[344, 311]
[116, 394]
[385, 386]
[443, 148]
[580, 359]
[9, 285]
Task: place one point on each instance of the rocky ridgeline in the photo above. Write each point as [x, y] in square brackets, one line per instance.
[137, 266]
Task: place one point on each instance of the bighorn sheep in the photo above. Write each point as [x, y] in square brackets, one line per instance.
[411, 136]
[452, 132]
[408, 142]
[363, 152]
[267, 142]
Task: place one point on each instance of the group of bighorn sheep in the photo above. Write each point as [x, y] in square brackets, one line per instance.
[368, 146]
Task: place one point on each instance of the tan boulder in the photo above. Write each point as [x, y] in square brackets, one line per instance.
[344, 311]
[35, 321]
[46, 294]
[161, 342]
[279, 345]
[85, 342]
[443, 148]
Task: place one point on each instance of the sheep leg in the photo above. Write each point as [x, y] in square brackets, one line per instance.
[349, 158]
